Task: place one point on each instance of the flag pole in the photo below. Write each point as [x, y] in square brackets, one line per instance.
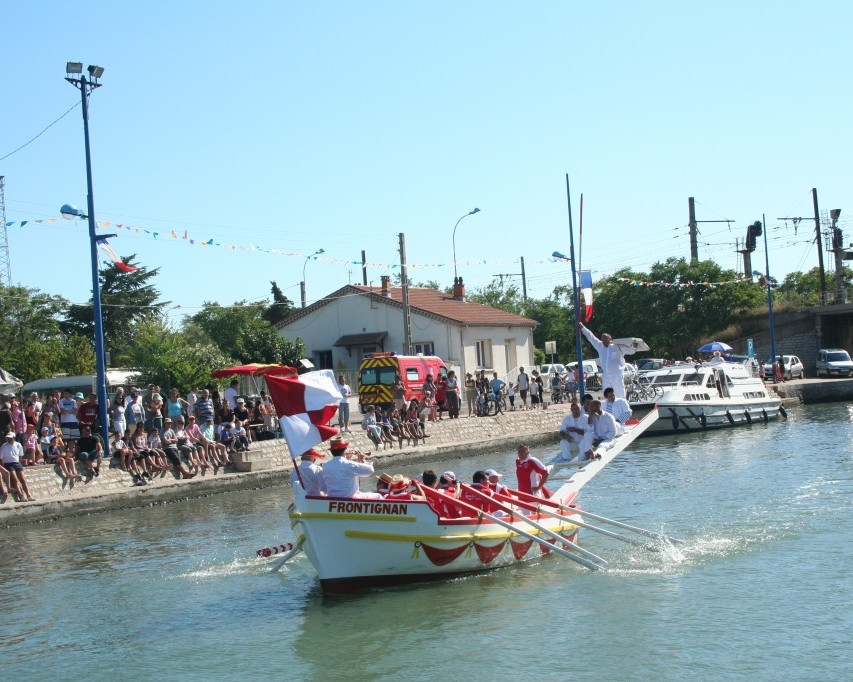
[575, 294]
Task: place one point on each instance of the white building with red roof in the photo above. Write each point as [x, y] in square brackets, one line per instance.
[341, 327]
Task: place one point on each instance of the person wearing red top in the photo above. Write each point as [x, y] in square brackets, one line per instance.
[481, 485]
[87, 413]
[531, 473]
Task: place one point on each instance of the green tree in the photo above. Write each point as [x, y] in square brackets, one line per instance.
[803, 288]
[241, 332]
[168, 358]
[673, 307]
[32, 344]
[127, 298]
[280, 307]
[499, 294]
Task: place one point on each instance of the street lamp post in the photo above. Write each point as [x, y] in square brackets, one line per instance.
[455, 276]
[75, 76]
[304, 265]
[767, 283]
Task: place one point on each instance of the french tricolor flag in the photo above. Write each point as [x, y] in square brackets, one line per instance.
[114, 257]
[586, 290]
[305, 404]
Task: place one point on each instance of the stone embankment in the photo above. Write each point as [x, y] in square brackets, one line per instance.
[268, 463]
[808, 391]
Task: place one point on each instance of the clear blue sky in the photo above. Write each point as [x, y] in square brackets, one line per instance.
[304, 125]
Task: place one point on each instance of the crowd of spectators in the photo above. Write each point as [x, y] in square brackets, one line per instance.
[149, 434]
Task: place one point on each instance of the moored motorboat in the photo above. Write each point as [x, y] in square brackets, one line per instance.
[359, 543]
[707, 396]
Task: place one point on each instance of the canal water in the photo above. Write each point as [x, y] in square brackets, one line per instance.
[761, 589]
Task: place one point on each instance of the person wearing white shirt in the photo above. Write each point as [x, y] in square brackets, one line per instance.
[618, 407]
[11, 454]
[612, 361]
[573, 429]
[230, 394]
[343, 406]
[600, 438]
[342, 474]
[309, 474]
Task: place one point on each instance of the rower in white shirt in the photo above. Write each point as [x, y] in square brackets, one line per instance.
[618, 407]
[572, 431]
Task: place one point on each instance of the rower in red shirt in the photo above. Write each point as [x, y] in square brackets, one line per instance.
[531, 473]
[480, 484]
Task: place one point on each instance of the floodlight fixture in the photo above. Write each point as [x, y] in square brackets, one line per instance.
[74, 67]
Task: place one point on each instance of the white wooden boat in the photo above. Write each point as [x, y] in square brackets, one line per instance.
[708, 396]
[358, 543]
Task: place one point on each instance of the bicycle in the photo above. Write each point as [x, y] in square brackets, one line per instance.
[641, 392]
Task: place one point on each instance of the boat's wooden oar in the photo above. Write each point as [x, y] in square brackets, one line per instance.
[537, 526]
[580, 524]
[289, 555]
[596, 517]
[520, 531]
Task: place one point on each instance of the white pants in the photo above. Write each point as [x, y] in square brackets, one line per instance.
[569, 448]
[615, 381]
[586, 445]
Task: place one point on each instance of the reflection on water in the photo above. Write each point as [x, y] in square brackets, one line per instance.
[177, 591]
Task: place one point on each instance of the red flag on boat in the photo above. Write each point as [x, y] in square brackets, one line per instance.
[586, 290]
[114, 257]
[305, 404]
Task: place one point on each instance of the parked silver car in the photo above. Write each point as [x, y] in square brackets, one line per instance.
[792, 368]
[834, 362]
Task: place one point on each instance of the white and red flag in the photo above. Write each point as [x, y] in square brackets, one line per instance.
[114, 257]
[305, 404]
[586, 290]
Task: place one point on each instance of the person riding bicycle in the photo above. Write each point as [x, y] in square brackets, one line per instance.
[557, 387]
[497, 386]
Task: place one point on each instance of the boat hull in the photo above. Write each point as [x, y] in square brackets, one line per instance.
[680, 417]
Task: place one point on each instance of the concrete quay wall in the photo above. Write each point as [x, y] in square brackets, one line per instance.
[114, 489]
[809, 391]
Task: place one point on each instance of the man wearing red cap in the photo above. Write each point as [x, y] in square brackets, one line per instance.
[309, 474]
[342, 474]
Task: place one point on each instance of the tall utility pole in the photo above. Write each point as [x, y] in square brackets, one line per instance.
[838, 251]
[404, 284]
[5, 259]
[819, 248]
[363, 267]
[691, 222]
[694, 232]
[818, 241]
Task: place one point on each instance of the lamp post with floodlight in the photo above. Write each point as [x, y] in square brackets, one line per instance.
[455, 277]
[75, 76]
[304, 265]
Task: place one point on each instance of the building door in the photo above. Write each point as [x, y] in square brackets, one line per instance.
[510, 355]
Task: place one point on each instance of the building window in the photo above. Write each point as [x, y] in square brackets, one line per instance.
[323, 359]
[484, 353]
[424, 348]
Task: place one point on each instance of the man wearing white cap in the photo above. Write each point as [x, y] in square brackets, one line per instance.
[309, 474]
[495, 482]
[11, 453]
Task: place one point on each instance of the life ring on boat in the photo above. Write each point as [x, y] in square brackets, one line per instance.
[748, 416]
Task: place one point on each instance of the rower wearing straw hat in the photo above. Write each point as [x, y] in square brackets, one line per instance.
[342, 474]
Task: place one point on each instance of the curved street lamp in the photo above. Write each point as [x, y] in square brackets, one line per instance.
[476, 210]
[74, 75]
[304, 265]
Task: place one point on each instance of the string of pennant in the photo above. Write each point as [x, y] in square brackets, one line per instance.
[174, 235]
[681, 285]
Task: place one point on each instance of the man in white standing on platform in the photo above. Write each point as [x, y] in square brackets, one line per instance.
[612, 361]
[231, 394]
